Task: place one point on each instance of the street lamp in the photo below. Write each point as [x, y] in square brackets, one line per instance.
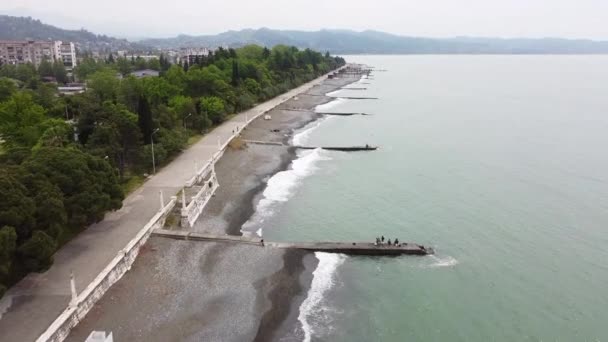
[187, 116]
[152, 141]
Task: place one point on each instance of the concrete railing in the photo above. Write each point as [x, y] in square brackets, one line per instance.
[81, 305]
[191, 212]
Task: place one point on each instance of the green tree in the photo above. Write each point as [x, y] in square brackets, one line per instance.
[7, 88]
[129, 92]
[37, 252]
[214, 108]
[21, 120]
[124, 66]
[8, 244]
[59, 72]
[16, 208]
[154, 64]
[89, 184]
[145, 119]
[104, 85]
[117, 136]
[45, 69]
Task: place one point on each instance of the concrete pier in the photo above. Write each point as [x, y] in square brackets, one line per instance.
[343, 149]
[352, 248]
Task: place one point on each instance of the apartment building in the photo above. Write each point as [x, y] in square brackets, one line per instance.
[192, 55]
[35, 51]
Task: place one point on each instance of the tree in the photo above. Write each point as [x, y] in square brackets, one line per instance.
[117, 135]
[7, 88]
[104, 85]
[89, 184]
[145, 119]
[235, 73]
[8, 244]
[183, 106]
[59, 72]
[111, 58]
[154, 64]
[37, 252]
[45, 69]
[57, 133]
[214, 108]
[124, 66]
[16, 208]
[129, 92]
[21, 120]
[176, 76]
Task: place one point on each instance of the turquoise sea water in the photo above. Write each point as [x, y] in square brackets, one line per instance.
[498, 162]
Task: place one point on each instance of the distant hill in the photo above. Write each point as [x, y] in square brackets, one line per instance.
[334, 41]
[373, 42]
[20, 28]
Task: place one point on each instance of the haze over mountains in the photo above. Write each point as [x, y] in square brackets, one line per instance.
[334, 41]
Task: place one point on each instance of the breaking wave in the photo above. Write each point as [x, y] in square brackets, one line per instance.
[312, 312]
[281, 187]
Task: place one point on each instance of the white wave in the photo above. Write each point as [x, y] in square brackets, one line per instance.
[281, 186]
[302, 135]
[329, 105]
[311, 310]
[259, 232]
[446, 261]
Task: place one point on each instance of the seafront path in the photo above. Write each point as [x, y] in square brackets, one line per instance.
[30, 306]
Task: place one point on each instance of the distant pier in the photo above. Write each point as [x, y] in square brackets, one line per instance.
[330, 148]
[352, 248]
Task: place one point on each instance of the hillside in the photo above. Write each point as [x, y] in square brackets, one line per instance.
[19, 28]
[345, 41]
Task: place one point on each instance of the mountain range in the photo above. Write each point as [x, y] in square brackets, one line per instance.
[334, 41]
[20, 28]
[374, 42]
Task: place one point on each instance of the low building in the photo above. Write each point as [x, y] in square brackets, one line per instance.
[145, 73]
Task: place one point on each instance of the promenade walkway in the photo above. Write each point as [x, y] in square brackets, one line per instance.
[30, 306]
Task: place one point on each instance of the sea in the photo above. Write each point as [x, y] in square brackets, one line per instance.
[500, 163]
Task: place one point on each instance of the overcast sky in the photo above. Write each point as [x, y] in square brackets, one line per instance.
[432, 18]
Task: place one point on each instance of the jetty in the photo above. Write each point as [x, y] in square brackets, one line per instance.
[324, 113]
[354, 97]
[343, 149]
[349, 248]
[330, 148]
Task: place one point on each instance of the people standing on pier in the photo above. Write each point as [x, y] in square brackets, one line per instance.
[396, 242]
[382, 238]
[389, 242]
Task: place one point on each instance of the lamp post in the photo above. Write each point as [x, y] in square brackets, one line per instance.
[187, 116]
[152, 142]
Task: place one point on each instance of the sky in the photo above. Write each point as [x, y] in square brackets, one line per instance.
[429, 18]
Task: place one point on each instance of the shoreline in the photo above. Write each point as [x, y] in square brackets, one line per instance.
[258, 289]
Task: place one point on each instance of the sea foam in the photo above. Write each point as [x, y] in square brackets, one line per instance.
[312, 312]
[281, 187]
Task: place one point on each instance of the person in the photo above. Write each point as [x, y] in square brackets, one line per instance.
[396, 241]
[377, 241]
[389, 242]
[262, 242]
[382, 238]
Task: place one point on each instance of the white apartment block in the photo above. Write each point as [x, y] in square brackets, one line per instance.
[191, 55]
[33, 51]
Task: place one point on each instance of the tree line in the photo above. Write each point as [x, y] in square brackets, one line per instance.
[67, 160]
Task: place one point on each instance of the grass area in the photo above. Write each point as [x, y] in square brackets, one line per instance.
[131, 184]
[193, 139]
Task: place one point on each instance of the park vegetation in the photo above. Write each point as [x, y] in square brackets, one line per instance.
[67, 160]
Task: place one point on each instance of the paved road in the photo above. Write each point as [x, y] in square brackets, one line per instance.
[34, 303]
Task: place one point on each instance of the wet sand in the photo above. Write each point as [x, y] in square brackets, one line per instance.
[199, 291]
